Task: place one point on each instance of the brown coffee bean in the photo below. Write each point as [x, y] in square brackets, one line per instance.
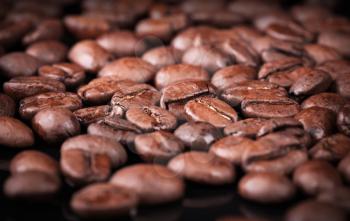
[49, 29]
[331, 101]
[122, 43]
[48, 51]
[315, 211]
[29, 106]
[321, 53]
[22, 87]
[232, 75]
[246, 128]
[129, 68]
[284, 65]
[154, 184]
[315, 176]
[339, 197]
[17, 64]
[335, 68]
[14, 133]
[84, 27]
[103, 200]
[89, 55]
[344, 168]
[343, 120]
[7, 105]
[266, 188]
[337, 40]
[159, 28]
[231, 148]
[203, 168]
[158, 147]
[289, 32]
[90, 158]
[318, 121]
[210, 110]
[55, 124]
[179, 72]
[151, 118]
[90, 115]
[162, 56]
[276, 124]
[12, 31]
[70, 74]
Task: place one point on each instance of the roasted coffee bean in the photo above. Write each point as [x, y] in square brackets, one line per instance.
[283, 65]
[49, 29]
[343, 120]
[162, 56]
[331, 101]
[154, 184]
[83, 27]
[90, 158]
[158, 147]
[7, 105]
[179, 72]
[14, 133]
[151, 118]
[90, 115]
[315, 176]
[289, 32]
[315, 211]
[89, 55]
[203, 168]
[210, 110]
[70, 74]
[48, 52]
[122, 43]
[266, 188]
[332, 148]
[339, 197]
[17, 64]
[12, 31]
[129, 68]
[335, 68]
[29, 106]
[344, 168]
[249, 127]
[342, 86]
[55, 124]
[232, 75]
[337, 40]
[231, 148]
[160, 28]
[22, 87]
[136, 95]
[275, 152]
[198, 135]
[321, 53]
[103, 200]
[318, 121]
[278, 124]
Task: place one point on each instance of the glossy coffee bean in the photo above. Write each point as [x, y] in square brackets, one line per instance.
[198, 135]
[48, 52]
[154, 184]
[314, 176]
[278, 124]
[90, 115]
[55, 124]
[203, 168]
[90, 158]
[7, 105]
[48, 29]
[327, 100]
[249, 127]
[159, 28]
[22, 87]
[266, 188]
[289, 32]
[339, 197]
[83, 27]
[103, 200]
[14, 133]
[321, 53]
[337, 40]
[286, 64]
[162, 56]
[129, 68]
[12, 31]
[158, 147]
[151, 118]
[343, 120]
[29, 106]
[17, 64]
[344, 168]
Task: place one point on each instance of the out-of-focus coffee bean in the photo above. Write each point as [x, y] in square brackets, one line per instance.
[249, 127]
[14, 133]
[339, 197]
[90, 115]
[337, 40]
[84, 27]
[49, 29]
[276, 124]
[343, 120]
[321, 53]
[331, 101]
[336, 68]
[12, 31]
[287, 64]
[289, 32]
[7, 105]
[48, 52]
[162, 56]
[160, 28]
[344, 168]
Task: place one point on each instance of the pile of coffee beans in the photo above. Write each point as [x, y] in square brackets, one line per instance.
[139, 99]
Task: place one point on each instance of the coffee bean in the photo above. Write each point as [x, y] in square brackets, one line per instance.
[154, 184]
[17, 64]
[331, 101]
[103, 200]
[289, 32]
[315, 211]
[210, 110]
[70, 74]
[48, 29]
[343, 120]
[249, 127]
[151, 118]
[179, 72]
[339, 197]
[29, 106]
[90, 115]
[48, 51]
[14, 133]
[89, 55]
[162, 56]
[266, 188]
[335, 68]
[284, 65]
[129, 68]
[315, 176]
[55, 124]
[337, 40]
[344, 168]
[160, 28]
[90, 158]
[278, 124]
[84, 27]
[158, 147]
[7, 105]
[321, 53]
[203, 168]
[318, 121]
[22, 87]
[197, 135]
